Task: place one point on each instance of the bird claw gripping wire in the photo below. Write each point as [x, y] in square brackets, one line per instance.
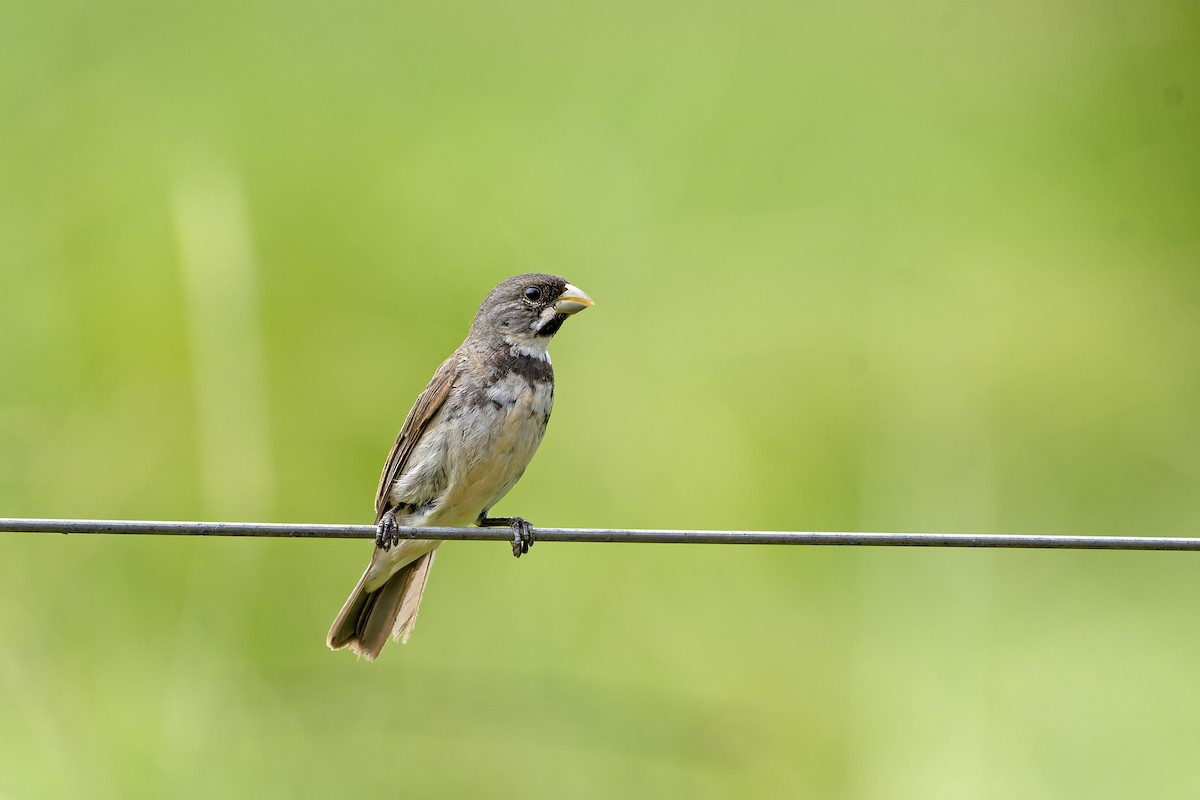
[523, 536]
[387, 533]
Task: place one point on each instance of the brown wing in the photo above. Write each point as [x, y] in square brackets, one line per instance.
[414, 426]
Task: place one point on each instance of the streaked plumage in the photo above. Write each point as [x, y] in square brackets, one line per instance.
[465, 443]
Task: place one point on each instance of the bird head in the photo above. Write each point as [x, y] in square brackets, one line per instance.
[527, 310]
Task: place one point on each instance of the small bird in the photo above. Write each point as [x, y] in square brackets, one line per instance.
[463, 446]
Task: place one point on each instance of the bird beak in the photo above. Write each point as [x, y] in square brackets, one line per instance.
[572, 300]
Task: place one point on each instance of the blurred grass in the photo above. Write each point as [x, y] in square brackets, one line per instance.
[926, 266]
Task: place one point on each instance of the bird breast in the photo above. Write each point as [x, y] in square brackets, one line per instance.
[501, 435]
[478, 449]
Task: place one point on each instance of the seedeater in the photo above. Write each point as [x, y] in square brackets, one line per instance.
[463, 446]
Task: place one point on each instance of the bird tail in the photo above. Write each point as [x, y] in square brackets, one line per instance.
[368, 618]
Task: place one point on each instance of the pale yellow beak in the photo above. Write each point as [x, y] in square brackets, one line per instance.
[572, 300]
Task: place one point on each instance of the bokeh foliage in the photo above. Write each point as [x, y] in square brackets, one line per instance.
[885, 266]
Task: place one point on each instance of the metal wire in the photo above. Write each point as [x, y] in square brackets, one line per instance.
[1040, 542]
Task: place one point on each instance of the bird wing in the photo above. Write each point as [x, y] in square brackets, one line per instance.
[414, 426]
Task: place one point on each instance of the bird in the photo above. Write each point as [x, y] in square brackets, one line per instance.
[464, 444]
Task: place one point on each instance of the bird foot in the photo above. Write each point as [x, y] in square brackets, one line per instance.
[388, 531]
[522, 536]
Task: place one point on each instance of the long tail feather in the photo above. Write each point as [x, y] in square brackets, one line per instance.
[369, 618]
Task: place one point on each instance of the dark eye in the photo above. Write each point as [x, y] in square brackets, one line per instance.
[533, 294]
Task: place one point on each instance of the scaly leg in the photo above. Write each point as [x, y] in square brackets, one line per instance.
[523, 536]
[388, 531]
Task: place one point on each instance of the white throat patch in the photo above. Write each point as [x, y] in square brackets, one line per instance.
[547, 314]
[533, 348]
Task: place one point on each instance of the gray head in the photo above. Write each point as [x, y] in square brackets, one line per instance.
[528, 309]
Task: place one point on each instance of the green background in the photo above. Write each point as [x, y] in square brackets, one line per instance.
[920, 266]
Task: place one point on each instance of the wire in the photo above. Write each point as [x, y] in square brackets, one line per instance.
[612, 535]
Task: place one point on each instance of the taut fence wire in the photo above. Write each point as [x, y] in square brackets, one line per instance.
[608, 535]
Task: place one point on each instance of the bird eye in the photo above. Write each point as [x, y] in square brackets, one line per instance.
[533, 294]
